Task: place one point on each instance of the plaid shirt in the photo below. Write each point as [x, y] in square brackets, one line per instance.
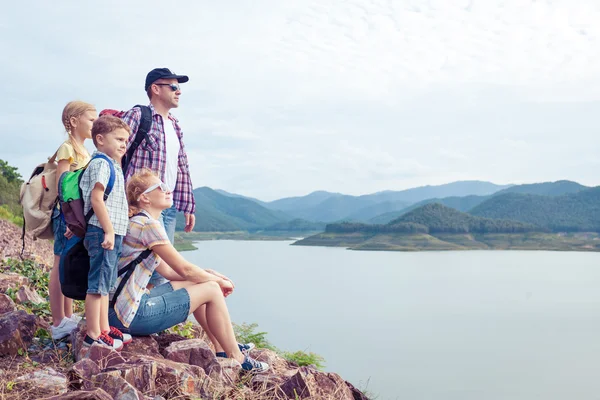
[144, 232]
[98, 171]
[152, 154]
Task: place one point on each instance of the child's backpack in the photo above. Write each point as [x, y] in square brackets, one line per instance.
[71, 198]
[140, 135]
[38, 197]
[74, 261]
[75, 267]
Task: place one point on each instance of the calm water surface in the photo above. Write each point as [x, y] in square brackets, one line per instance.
[432, 325]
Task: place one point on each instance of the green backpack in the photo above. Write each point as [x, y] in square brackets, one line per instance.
[71, 198]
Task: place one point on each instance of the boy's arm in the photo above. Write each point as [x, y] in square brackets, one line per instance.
[99, 206]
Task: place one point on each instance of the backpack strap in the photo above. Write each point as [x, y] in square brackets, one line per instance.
[140, 135]
[109, 185]
[128, 271]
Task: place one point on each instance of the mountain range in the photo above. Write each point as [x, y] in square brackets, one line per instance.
[218, 210]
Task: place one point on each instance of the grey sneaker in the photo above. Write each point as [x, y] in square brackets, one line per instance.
[252, 365]
[64, 329]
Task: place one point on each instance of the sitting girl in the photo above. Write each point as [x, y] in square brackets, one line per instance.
[190, 289]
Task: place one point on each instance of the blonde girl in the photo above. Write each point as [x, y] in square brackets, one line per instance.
[77, 118]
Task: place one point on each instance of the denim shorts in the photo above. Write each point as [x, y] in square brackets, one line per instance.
[161, 309]
[103, 263]
[58, 228]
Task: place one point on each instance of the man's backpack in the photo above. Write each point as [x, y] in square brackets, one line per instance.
[71, 197]
[75, 267]
[140, 135]
[38, 198]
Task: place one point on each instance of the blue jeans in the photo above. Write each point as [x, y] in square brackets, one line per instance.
[58, 228]
[159, 310]
[103, 263]
[167, 219]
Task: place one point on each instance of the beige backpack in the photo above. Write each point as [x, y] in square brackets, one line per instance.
[38, 198]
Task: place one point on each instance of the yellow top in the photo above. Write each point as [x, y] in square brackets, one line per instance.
[67, 152]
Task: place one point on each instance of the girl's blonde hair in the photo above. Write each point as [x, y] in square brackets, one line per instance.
[75, 109]
[137, 184]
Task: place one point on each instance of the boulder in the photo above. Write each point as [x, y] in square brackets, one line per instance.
[310, 383]
[80, 374]
[26, 294]
[45, 382]
[142, 345]
[97, 394]
[6, 304]
[113, 384]
[268, 386]
[166, 378]
[165, 340]
[17, 330]
[193, 352]
[225, 370]
[10, 280]
[277, 364]
[103, 356]
[358, 395]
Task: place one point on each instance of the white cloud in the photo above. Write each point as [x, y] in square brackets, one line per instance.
[289, 97]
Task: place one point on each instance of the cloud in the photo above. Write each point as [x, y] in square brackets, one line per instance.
[355, 97]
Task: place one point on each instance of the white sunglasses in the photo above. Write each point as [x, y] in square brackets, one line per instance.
[163, 187]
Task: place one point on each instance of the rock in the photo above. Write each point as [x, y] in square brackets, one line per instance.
[113, 384]
[144, 345]
[17, 330]
[11, 280]
[11, 244]
[225, 370]
[165, 340]
[97, 394]
[277, 364]
[26, 294]
[310, 383]
[80, 374]
[193, 352]
[45, 382]
[103, 356]
[6, 304]
[268, 386]
[358, 395]
[166, 378]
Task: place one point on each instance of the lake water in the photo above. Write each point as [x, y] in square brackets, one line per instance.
[431, 325]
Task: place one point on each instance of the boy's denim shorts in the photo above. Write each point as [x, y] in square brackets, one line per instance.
[161, 309]
[103, 263]
[58, 228]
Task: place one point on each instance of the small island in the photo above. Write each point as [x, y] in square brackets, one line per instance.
[435, 227]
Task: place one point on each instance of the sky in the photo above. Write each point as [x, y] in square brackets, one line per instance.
[288, 97]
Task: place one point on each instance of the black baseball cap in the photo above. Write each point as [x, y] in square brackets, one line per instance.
[163, 73]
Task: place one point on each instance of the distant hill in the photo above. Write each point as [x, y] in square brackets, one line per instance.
[466, 203]
[335, 206]
[574, 212]
[216, 212]
[300, 202]
[557, 188]
[228, 194]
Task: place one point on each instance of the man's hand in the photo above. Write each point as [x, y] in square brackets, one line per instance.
[190, 221]
[109, 241]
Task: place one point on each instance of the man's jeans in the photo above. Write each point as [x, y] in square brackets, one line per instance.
[167, 219]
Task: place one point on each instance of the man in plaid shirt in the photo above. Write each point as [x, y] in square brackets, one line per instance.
[163, 151]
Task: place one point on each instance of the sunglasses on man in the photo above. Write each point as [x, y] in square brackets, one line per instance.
[174, 87]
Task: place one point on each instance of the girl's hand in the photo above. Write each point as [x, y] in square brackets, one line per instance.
[215, 273]
[68, 233]
[226, 287]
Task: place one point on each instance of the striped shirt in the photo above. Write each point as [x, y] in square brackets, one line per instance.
[98, 171]
[144, 232]
[152, 154]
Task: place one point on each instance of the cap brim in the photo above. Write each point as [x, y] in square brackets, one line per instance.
[180, 78]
